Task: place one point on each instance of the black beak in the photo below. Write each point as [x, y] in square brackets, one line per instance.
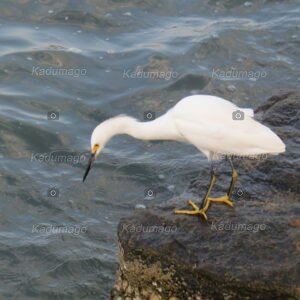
[89, 166]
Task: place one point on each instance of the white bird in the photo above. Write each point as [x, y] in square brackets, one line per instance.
[215, 126]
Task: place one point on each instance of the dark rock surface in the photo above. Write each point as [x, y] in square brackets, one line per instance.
[248, 252]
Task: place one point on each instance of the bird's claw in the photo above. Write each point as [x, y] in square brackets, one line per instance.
[225, 199]
[202, 211]
[197, 210]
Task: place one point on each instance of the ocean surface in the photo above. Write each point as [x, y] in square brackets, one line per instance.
[67, 65]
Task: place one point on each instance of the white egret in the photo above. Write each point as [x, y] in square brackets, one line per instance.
[215, 126]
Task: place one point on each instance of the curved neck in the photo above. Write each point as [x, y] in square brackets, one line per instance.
[157, 129]
[149, 130]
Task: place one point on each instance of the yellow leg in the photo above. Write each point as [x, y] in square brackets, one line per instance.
[225, 199]
[207, 201]
[205, 204]
[197, 210]
[234, 177]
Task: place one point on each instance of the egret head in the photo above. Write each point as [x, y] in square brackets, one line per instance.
[104, 132]
[98, 141]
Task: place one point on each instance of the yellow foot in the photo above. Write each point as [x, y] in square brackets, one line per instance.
[197, 210]
[224, 199]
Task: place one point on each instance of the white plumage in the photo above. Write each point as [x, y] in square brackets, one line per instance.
[215, 126]
[210, 124]
[207, 122]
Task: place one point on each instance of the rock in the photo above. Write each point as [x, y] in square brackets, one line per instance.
[282, 114]
[154, 297]
[249, 252]
[295, 223]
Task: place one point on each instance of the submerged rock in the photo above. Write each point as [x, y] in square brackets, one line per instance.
[249, 252]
